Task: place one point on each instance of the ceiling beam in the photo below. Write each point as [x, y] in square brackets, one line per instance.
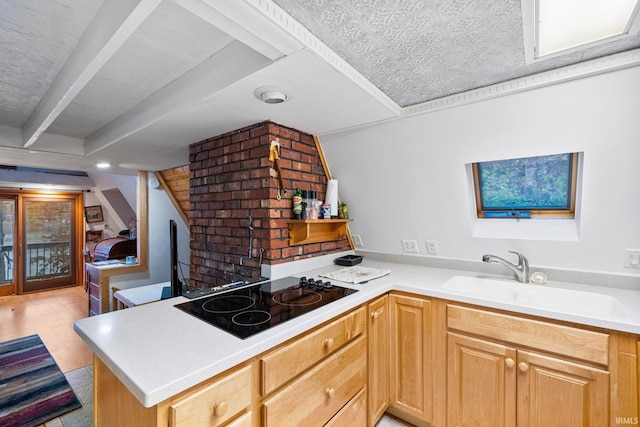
[246, 24]
[114, 22]
[227, 66]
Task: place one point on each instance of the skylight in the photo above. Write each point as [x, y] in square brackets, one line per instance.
[560, 26]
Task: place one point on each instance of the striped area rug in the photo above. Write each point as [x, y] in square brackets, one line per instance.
[33, 390]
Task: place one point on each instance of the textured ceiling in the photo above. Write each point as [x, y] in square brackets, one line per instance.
[134, 82]
[419, 50]
[52, 29]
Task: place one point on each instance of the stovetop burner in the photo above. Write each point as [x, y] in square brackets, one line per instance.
[248, 310]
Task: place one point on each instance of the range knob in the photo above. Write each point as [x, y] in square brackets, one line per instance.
[303, 281]
[328, 285]
[311, 282]
[319, 285]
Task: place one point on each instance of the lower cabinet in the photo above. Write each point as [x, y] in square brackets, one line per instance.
[407, 355]
[215, 403]
[481, 390]
[320, 393]
[314, 378]
[494, 384]
[353, 414]
[378, 358]
[223, 400]
[556, 392]
[410, 359]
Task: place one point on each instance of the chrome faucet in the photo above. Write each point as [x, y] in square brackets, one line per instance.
[521, 270]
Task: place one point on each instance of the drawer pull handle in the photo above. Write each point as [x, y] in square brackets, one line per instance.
[523, 367]
[327, 343]
[330, 393]
[376, 314]
[220, 409]
[510, 363]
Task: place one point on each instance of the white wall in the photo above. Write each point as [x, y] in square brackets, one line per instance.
[105, 181]
[161, 210]
[406, 179]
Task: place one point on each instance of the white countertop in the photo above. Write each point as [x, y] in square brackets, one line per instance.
[158, 351]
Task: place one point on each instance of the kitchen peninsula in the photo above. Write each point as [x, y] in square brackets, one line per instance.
[156, 365]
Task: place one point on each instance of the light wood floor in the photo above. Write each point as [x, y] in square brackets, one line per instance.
[49, 314]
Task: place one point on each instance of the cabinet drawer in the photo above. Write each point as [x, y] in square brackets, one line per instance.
[316, 396]
[578, 343]
[213, 403]
[354, 413]
[286, 362]
[242, 421]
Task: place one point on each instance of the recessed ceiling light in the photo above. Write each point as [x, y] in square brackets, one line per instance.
[270, 95]
[273, 97]
[103, 165]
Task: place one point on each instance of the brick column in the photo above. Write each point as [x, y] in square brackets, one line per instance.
[231, 179]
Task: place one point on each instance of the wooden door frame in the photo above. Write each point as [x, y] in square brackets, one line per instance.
[10, 288]
[77, 232]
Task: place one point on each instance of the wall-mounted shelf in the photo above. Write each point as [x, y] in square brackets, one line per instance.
[303, 231]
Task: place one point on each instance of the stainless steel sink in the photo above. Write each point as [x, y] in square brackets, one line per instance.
[538, 296]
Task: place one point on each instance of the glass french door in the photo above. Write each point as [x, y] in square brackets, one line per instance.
[7, 248]
[48, 243]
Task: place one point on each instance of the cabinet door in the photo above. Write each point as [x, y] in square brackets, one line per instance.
[411, 359]
[554, 392]
[481, 383]
[378, 381]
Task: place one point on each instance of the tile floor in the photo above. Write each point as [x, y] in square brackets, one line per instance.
[51, 315]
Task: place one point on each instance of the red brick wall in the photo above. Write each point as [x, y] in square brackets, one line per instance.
[229, 180]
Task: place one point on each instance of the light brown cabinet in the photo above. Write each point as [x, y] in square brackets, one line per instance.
[309, 380]
[378, 342]
[320, 393]
[481, 389]
[553, 391]
[411, 363]
[214, 403]
[313, 379]
[498, 379]
[428, 361]
[223, 400]
[293, 358]
[353, 413]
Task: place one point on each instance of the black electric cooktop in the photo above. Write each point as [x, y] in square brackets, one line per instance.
[255, 308]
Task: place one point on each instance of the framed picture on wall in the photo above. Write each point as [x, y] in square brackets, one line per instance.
[93, 213]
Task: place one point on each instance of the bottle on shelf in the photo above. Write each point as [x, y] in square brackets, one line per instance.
[297, 204]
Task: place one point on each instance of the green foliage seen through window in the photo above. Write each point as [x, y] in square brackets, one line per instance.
[543, 183]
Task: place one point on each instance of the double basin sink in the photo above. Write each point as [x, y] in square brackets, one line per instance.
[538, 296]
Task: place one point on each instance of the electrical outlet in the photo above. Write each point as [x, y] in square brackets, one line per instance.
[631, 258]
[432, 247]
[410, 246]
[357, 240]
